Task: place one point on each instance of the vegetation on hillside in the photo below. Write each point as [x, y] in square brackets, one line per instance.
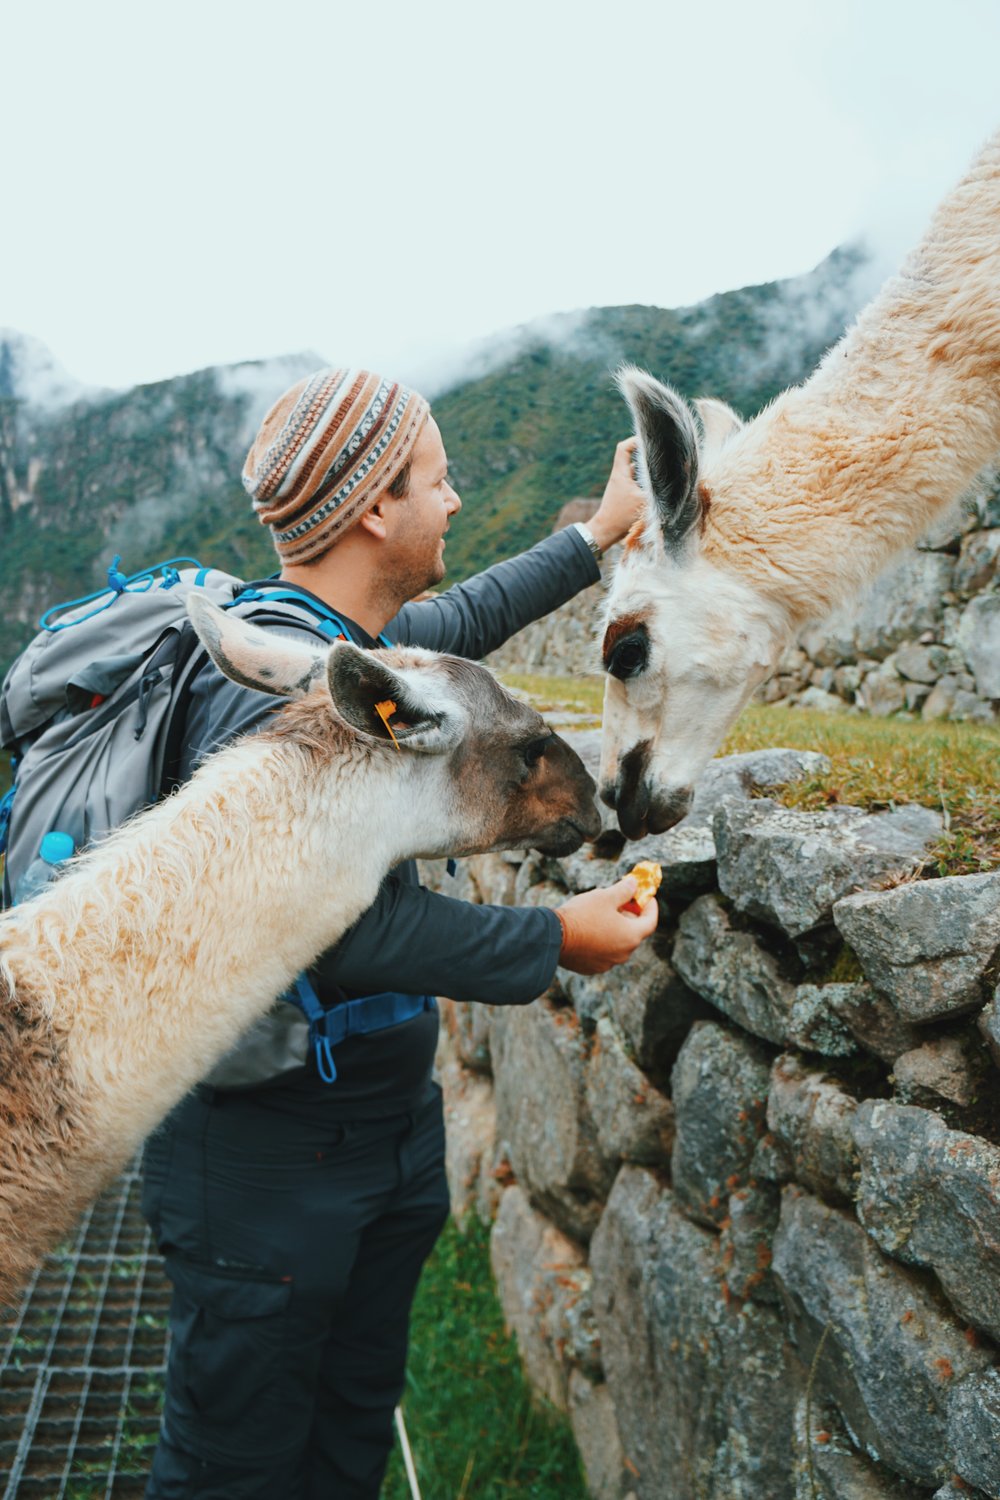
[155, 471]
[542, 429]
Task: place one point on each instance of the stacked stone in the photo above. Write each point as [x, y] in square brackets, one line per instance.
[925, 641]
[745, 1191]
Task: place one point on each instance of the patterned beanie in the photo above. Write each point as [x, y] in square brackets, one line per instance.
[325, 452]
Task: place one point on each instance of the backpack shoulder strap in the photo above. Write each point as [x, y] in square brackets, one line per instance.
[328, 623]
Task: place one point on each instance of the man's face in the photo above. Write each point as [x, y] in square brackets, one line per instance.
[418, 521]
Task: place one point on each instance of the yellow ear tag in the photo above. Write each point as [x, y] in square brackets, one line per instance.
[384, 710]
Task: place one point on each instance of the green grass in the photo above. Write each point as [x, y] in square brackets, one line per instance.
[474, 1426]
[876, 763]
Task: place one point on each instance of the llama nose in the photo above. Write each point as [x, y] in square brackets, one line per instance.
[609, 794]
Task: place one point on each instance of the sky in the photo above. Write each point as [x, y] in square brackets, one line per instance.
[203, 183]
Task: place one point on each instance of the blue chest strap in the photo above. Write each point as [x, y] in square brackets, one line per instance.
[328, 1027]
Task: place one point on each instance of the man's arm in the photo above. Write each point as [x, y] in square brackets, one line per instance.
[416, 941]
[473, 618]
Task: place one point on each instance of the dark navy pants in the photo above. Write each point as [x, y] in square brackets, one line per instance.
[294, 1248]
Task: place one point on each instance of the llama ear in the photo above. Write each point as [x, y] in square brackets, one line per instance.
[667, 453]
[385, 705]
[718, 424]
[255, 658]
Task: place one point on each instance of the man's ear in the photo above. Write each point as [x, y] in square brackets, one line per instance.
[410, 707]
[373, 520]
[667, 454]
[255, 658]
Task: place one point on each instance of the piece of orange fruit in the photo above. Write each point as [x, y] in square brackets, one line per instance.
[648, 874]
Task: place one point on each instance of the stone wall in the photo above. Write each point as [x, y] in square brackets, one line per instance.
[745, 1191]
[925, 640]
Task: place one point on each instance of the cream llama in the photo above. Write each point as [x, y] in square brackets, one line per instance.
[751, 531]
[123, 984]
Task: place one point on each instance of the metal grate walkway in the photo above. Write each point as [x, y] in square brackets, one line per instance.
[82, 1361]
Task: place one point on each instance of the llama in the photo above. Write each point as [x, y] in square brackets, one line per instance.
[753, 530]
[124, 982]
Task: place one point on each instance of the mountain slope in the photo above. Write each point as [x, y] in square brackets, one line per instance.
[154, 471]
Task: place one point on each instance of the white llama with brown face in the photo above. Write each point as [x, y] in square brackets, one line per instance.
[127, 980]
[753, 530]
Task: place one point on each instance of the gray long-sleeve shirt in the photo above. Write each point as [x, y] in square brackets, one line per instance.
[411, 940]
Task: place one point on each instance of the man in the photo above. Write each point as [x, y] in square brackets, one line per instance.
[294, 1213]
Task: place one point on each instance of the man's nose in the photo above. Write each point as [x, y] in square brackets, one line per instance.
[454, 502]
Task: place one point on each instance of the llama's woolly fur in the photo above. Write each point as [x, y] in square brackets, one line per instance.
[124, 983]
[817, 495]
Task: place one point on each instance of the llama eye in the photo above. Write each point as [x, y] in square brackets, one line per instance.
[629, 657]
[534, 750]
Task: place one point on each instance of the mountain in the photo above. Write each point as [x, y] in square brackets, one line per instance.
[154, 471]
[541, 428]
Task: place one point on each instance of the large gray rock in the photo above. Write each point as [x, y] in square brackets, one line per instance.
[940, 703]
[789, 867]
[930, 1196]
[815, 1024]
[719, 1086]
[622, 1260]
[812, 1120]
[634, 1120]
[944, 1069]
[595, 1428]
[892, 1356]
[687, 851]
[731, 970]
[536, 1270]
[582, 871]
[686, 854]
[840, 1471]
[747, 1241]
[974, 1431]
[883, 691]
[703, 1395]
[470, 1130]
[539, 1058]
[989, 1026]
[648, 1001]
[922, 663]
[468, 1025]
[900, 606]
[979, 640]
[950, 525]
[495, 875]
[654, 1009]
[928, 945]
[822, 700]
[978, 561]
[831, 1018]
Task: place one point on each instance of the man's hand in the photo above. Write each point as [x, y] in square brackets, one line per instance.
[597, 934]
[622, 502]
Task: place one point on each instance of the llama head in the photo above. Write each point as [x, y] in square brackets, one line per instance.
[483, 770]
[686, 640]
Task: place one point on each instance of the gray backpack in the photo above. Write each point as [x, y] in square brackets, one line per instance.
[92, 709]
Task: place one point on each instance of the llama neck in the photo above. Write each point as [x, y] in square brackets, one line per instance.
[827, 487]
[166, 942]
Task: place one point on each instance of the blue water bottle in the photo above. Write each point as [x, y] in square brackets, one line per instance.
[55, 849]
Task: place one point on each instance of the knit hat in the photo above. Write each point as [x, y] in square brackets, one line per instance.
[325, 452]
